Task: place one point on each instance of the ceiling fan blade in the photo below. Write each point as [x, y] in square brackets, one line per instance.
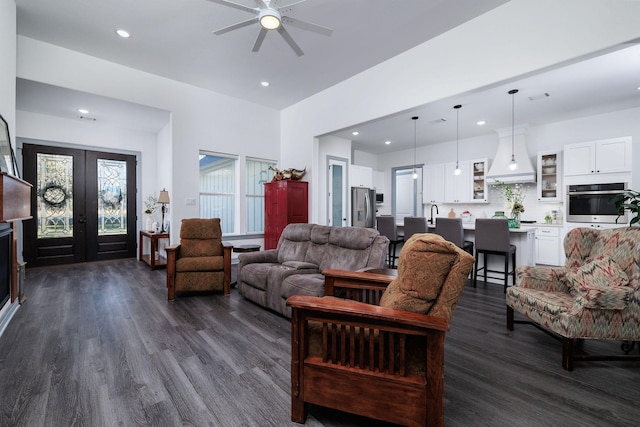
[235, 26]
[291, 6]
[287, 37]
[259, 40]
[235, 6]
[260, 3]
[304, 25]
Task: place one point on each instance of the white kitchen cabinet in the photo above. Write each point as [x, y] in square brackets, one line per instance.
[433, 183]
[457, 188]
[548, 246]
[360, 176]
[549, 186]
[479, 191]
[598, 157]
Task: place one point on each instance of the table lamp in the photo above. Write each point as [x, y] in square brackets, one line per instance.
[163, 199]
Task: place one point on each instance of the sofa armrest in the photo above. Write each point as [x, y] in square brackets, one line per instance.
[374, 313]
[549, 279]
[361, 286]
[269, 255]
[301, 265]
[173, 252]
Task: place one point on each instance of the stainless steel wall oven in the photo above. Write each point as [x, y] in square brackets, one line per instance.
[594, 203]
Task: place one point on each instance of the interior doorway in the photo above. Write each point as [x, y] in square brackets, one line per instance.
[337, 191]
[407, 197]
[83, 205]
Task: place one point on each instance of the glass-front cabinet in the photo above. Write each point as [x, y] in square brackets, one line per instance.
[479, 176]
[549, 176]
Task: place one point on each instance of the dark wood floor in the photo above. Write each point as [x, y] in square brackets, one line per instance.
[98, 345]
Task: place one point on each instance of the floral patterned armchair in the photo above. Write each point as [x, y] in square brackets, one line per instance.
[596, 295]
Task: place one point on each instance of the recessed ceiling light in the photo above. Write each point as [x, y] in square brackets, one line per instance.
[83, 111]
[355, 133]
[123, 33]
[264, 83]
[481, 122]
[387, 142]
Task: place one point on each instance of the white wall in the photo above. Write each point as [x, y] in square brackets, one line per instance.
[200, 119]
[8, 55]
[514, 39]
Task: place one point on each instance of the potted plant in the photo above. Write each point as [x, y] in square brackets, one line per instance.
[630, 201]
[513, 195]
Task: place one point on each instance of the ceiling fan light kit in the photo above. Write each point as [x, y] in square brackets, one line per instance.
[271, 18]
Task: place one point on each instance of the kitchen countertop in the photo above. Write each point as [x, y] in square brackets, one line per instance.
[471, 226]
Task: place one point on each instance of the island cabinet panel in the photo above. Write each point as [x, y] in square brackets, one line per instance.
[285, 202]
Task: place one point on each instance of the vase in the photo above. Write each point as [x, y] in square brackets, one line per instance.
[148, 225]
[499, 215]
[514, 221]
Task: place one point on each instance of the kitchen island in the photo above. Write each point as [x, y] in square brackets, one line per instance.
[524, 239]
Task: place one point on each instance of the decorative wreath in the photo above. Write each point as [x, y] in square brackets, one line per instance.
[53, 195]
[112, 197]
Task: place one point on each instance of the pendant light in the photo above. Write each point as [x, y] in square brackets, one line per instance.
[457, 170]
[513, 165]
[415, 142]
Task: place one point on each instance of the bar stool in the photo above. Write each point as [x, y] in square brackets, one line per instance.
[492, 238]
[387, 227]
[451, 229]
[413, 225]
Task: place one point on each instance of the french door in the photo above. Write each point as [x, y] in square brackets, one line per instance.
[83, 205]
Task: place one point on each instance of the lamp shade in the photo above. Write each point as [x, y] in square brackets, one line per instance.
[163, 197]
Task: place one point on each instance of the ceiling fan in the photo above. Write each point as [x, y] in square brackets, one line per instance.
[270, 16]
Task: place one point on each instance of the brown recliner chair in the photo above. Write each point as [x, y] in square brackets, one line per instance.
[201, 262]
[382, 361]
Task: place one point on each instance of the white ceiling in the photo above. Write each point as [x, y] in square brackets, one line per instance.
[173, 38]
[599, 84]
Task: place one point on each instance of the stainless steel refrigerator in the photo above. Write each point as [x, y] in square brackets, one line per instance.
[363, 207]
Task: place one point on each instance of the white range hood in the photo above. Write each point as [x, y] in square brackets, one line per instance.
[526, 172]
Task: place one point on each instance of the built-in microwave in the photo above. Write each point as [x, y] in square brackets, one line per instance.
[594, 203]
[379, 198]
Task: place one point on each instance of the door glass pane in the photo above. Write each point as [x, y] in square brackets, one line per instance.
[112, 197]
[55, 196]
[336, 195]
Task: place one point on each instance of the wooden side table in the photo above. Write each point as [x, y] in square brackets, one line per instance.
[150, 258]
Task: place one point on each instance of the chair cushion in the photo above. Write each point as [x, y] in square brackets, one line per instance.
[200, 263]
[425, 263]
[600, 283]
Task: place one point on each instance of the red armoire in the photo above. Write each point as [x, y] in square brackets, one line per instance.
[285, 202]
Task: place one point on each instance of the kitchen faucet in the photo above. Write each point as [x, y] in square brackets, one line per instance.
[433, 206]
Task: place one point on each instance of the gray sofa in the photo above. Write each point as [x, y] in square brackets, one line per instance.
[304, 251]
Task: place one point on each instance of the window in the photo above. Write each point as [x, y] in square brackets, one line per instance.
[224, 194]
[407, 197]
[257, 173]
[218, 189]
